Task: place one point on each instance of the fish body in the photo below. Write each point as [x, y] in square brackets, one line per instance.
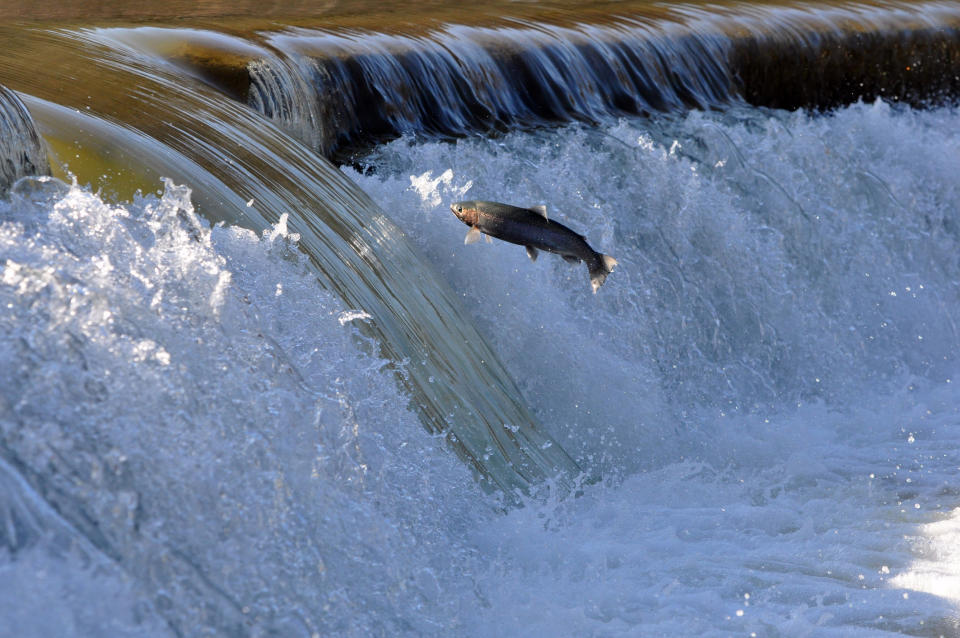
[531, 228]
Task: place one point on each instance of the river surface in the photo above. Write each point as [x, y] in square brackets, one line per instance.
[245, 391]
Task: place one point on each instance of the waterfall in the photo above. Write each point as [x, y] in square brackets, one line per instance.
[459, 80]
[21, 152]
[253, 383]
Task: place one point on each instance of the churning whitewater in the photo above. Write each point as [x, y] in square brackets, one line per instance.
[229, 458]
[196, 439]
[767, 385]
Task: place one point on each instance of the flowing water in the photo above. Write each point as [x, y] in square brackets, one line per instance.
[244, 392]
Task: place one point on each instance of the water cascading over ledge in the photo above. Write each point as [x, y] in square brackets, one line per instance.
[340, 89]
[458, 80]
[772, 262]
[150, 120]
[21, 152]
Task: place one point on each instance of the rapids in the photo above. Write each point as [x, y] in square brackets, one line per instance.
[246, 392]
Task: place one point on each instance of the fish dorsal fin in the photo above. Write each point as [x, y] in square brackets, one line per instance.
[473, 236]
[541, 210]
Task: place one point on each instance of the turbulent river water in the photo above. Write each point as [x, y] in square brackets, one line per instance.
[245, 392]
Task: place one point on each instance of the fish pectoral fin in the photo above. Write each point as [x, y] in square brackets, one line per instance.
[473, 236]
[540, 209]
[488, 239]
[570, 259]
[532, 253]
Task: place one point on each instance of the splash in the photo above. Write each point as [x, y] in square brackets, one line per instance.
[429, 188]
[767, 383]
[189, 401]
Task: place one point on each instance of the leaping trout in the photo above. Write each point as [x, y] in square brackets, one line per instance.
[530, 227]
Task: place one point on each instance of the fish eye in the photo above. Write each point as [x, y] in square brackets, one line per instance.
[459, 209]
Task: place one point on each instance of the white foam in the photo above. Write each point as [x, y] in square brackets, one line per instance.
[743, 379]
[352, 315]
[936, 569]
[428, 187]
[230, 449]
[776, 443]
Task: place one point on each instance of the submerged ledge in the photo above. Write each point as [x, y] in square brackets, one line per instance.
[914, 59]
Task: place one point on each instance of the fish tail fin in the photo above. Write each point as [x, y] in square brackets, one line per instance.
[599, 269]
